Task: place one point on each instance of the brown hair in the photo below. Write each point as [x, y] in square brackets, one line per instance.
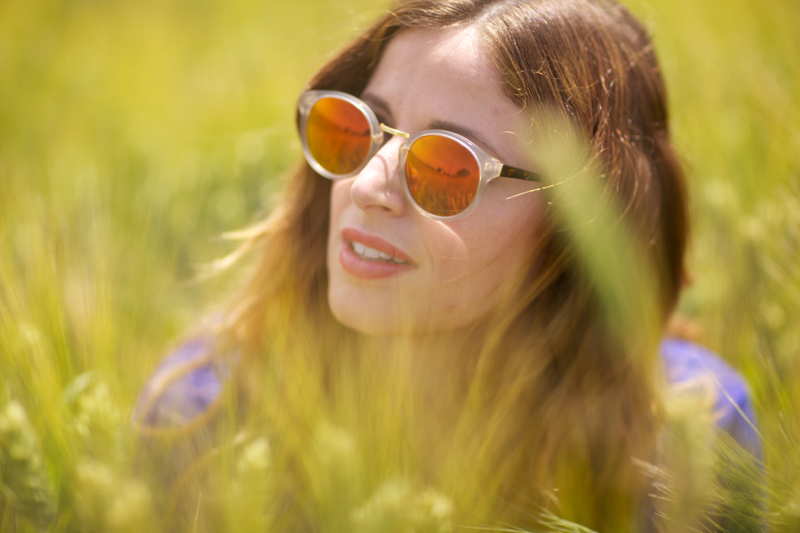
[557, 387]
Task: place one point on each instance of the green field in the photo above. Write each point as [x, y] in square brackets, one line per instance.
[133, 135]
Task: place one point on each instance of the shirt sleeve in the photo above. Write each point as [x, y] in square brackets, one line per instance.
[184, 389]
[175, 422]
[686, 362]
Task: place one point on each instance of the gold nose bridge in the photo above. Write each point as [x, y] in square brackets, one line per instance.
[393, 131]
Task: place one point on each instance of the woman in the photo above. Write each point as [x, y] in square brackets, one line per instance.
[428, 233]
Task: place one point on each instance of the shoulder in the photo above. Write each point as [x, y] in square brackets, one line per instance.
[185, 388]
[691, 367]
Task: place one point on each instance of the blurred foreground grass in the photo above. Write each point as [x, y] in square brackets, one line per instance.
[132, 134]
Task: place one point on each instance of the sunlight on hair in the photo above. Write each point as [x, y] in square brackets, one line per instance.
[618, 265]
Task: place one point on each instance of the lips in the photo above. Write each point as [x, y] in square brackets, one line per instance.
[371, 257]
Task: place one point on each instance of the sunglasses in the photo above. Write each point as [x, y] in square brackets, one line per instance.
[444, 174]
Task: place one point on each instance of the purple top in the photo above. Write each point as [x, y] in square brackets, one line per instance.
[184, 387]
[189, 382]
[180, 402]
[687, 363]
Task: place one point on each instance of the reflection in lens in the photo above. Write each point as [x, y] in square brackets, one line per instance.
[338, 135]
[442, 175]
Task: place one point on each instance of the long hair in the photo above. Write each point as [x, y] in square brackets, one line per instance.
[562, 400]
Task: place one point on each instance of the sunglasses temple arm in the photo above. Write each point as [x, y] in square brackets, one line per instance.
[517, 173]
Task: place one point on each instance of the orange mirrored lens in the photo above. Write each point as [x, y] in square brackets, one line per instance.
[442, 175]
[338, 135]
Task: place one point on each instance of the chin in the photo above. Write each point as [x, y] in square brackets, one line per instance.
[360, 319]
[390, 322]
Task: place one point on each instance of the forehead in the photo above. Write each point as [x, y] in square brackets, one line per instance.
[445, 74]
[452, 54]
[460, 50]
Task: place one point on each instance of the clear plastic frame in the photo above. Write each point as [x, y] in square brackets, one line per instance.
[489, 167]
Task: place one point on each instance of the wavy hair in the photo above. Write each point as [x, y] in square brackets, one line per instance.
[558, 389]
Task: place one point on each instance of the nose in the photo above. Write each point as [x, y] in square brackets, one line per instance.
[377, 188]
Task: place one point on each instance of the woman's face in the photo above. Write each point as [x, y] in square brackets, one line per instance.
[442, 275]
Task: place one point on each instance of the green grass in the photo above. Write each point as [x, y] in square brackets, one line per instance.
[133, 134]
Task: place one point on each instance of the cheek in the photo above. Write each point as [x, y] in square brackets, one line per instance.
[477, 258]
[497, 234]
[340, 198]
[489, 260]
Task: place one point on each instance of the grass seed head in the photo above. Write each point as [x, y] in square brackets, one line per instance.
[24, 478]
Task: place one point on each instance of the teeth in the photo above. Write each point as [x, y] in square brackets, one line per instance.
[372, 254]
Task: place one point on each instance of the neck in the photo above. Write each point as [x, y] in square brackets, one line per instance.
[430, 359]
[429, 373]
